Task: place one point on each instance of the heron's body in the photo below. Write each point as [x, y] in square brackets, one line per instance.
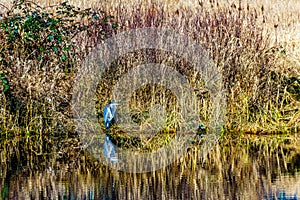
[109, 116]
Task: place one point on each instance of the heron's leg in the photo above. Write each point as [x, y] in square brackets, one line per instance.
[108, 132]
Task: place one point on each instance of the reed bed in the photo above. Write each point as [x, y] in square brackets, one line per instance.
[260, 73]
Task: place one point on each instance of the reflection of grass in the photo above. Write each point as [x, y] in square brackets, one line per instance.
[142, 143]
[242, 164]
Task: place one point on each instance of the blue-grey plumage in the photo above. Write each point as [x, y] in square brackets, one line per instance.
[109, 150]
[109, 114]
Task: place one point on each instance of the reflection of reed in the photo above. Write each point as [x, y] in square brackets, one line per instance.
[245, 167]
[287, 185]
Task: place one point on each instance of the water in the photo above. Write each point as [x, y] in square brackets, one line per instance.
[51, 169]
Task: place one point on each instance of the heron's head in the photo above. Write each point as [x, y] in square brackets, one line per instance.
[114, 103]
[113, 107]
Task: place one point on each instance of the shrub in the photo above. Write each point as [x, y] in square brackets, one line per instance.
[40, 50]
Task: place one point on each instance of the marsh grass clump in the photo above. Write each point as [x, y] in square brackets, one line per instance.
[155, 112]
[259, 77]
[42, 48]
[39, 58]
[254, 82]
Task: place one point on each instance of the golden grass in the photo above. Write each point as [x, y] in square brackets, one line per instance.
[250, 44]
[284, 13]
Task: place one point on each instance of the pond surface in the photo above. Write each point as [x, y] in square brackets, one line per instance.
[32, 168]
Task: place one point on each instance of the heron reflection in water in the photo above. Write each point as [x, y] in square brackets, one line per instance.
[109, 118]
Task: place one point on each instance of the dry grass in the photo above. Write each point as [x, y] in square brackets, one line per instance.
[258, 61]
[244, 42]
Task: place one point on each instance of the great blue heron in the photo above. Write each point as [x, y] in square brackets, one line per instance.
[109, 116]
